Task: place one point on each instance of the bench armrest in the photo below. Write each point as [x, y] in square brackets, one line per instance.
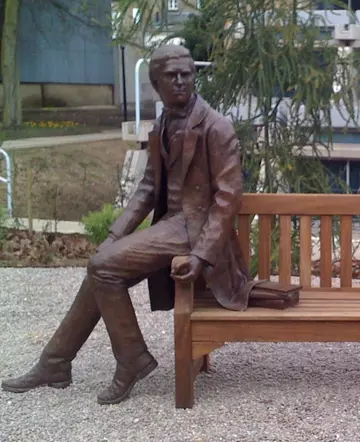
[184, 298]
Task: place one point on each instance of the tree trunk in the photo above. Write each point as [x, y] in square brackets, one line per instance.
[10, 65]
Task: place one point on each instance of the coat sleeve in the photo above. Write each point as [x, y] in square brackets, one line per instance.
[226, 182]
[139, 206]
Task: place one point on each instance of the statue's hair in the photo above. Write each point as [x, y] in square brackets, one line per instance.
[164, 53]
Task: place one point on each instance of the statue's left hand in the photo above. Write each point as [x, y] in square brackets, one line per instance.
[186, 268]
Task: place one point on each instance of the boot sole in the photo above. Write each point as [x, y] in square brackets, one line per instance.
[141, 375]
[59, 385]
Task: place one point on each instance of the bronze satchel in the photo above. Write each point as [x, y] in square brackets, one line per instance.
[268, 294]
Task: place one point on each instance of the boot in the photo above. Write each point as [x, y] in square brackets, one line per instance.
[134, 362]
[54, 366]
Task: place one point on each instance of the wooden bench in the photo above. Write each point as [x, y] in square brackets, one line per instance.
[324, 314]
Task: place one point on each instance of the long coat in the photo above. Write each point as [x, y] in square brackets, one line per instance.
[212, 194]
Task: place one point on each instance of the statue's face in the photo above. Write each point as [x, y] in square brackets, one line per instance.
[176, 82]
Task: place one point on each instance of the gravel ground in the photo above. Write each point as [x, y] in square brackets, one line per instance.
[257, 392]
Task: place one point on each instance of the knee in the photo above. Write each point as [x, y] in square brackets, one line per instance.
[104, 268]
[95, 266]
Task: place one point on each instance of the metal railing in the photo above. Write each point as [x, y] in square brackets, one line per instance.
[7, 180]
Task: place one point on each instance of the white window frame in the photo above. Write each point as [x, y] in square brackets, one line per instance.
[136, 15]
[173, 5]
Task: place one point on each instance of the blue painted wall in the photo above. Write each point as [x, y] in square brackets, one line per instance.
[58, 47]
[345, 138]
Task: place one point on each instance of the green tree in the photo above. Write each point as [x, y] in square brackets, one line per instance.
[271, 60]
[195, 32]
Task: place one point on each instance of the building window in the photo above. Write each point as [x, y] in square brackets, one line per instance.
[353, 5]
[173, 5]
[136, 15]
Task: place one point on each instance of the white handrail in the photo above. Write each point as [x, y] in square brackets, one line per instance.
[137, 93]
[7, 180]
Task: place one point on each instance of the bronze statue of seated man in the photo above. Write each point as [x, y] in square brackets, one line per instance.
[192, 182]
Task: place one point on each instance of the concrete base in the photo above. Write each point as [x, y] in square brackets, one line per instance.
[129, 130]
[47, 225]
[132, 172]
[28, 143]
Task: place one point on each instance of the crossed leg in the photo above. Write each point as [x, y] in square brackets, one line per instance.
[111, 272]
[136, 256]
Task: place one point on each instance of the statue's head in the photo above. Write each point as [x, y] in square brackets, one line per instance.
[172, 74]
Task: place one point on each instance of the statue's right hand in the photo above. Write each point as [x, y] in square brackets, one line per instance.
[108, 241]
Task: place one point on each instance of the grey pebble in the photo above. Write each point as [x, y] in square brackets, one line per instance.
[258, 392]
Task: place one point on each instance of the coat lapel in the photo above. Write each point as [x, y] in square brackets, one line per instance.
[176, 148]
[190, 141]
[192, 133]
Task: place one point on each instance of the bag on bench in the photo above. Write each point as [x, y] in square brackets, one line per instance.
[268, 294]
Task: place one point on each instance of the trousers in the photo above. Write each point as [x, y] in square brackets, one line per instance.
[133, 258]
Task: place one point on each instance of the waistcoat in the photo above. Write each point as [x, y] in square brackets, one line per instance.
[171, 152]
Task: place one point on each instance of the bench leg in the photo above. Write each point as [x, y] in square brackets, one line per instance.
[206, 364]
[184, 372]
[184, 382]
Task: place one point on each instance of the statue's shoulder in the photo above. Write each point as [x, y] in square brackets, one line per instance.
[219, 123]
[213, 119]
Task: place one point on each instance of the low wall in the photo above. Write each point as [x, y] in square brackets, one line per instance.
[64, 95]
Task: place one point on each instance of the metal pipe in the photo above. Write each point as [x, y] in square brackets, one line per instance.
[8, 181]
[124, 83]
[137, 94]
[203, 63]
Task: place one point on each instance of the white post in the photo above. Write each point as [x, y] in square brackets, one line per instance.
[8, 181]
[348, 175]
[137, 94]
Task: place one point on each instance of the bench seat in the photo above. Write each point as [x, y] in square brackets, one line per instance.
[319, 317]
[313, 306]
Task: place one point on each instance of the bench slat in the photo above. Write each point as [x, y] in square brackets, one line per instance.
[336, 294]
[313, 306]
[294, 314]
[303, 304]
[300, 204]
[305, 251]
[325, 251]
[281, 331]
[346, 251]
[285, 249]
[244, 237]
[264, 246]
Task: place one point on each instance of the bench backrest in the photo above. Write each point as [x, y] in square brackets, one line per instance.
[306, 207]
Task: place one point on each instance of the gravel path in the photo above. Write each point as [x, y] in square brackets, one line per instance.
[258, 392]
